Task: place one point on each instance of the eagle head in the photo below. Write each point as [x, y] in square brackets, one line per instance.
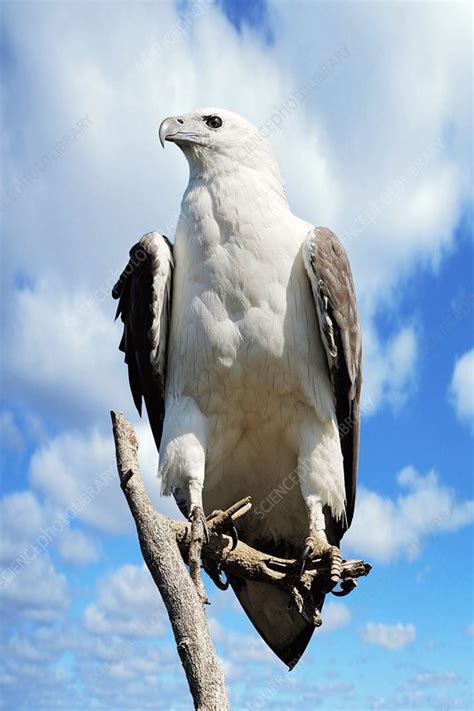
[216, 141]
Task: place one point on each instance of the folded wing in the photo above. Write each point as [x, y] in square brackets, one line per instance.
[144, 305]
[330, 275]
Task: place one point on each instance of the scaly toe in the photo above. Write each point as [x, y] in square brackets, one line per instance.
[336, 564]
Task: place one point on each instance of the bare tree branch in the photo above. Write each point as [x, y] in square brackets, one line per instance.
[162, 556]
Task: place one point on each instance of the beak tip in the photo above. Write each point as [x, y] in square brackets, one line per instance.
[162, 131]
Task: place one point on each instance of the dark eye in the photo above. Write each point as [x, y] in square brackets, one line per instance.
[213, 121]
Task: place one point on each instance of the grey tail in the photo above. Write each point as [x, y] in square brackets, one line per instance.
[270, 610]
[285, 631]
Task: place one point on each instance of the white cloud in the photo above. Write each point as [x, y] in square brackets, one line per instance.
[231, 669]
[334, 615]
[36, 666]
[388, 636]
[433, 678]
[61, 364]
[77, 547]
[462, 388]
[128, 604]
[233, 643]
[30, 529]
[22, 517]
[386, 529]
[10, 434]
[389, 369]
[470, 630]
[36, 592]
[78, 470]
[18, 431]
[29, 584]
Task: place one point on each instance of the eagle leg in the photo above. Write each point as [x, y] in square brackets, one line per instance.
[199, 533]
[317, 546]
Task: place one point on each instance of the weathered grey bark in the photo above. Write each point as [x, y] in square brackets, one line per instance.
[163, 558]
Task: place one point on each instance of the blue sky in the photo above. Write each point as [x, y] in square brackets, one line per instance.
[379, 150]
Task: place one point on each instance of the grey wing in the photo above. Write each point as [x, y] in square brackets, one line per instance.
[330, 275]
[144, 294]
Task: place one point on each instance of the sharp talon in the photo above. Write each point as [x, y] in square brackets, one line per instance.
[304, 558]
[347, 586]
[235, 537]
[221, 584]
[215, 574]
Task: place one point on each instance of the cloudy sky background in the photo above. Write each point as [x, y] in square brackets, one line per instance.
[379, 150]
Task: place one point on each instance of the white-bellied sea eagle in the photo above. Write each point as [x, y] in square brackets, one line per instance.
[244, 342]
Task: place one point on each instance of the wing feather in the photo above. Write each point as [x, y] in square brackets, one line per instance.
[328, 269]
[144, 303]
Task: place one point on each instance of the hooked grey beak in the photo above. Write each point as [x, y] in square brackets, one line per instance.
[171, 129]
[167, 127]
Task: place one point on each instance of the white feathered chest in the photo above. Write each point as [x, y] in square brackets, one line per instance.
[237, 336]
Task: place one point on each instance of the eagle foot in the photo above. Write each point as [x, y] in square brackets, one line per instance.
[316, 547]
[199, 534]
